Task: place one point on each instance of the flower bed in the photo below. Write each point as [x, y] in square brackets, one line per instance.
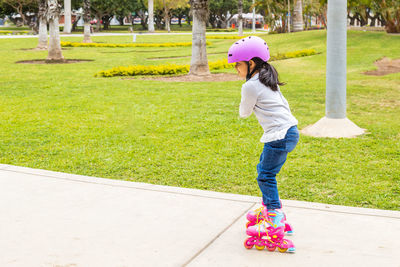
[182, 69]
[72, 44]
[13, 32]
[225, 37]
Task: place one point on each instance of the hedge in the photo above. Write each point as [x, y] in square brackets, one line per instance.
[225, 37]
[72, 44]
[13, 32]
[182, 69]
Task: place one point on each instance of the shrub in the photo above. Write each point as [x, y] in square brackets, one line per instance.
[182, 69]
[145, 70]
[301, 53]
[72, 44]
[13, 32]
[221, 30]
[225, 37]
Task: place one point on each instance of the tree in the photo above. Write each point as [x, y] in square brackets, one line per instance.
[180, 12]
[386, 11]
[358, 10]
[221, 11]
[42, 45]
[390, 10]
[86, 21]
[167, 6]
[104, 10]
[240, 17]
[199, 62]
[297, 16]
[67, 16]
[52, 15]
[140, 9]
[275, 12]
[166, 16]
[21, 7]
[312, 8]
[151, 15]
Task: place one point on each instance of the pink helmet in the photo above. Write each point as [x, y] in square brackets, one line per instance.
[247, 48]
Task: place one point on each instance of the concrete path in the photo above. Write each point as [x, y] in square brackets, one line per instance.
[119, 34]
[57, 219]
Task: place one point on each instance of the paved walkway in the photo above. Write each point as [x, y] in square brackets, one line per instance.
[57, 219]
[120, 34]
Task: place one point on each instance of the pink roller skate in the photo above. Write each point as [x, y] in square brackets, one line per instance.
[256, 216]
[264, 235]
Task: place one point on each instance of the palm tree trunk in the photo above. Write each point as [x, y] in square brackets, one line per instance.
[53, 13]
[298, 16]
[86, 21]
[151, 15]
[42, 45]
[67, 16]
[199, 62]
[240, 17]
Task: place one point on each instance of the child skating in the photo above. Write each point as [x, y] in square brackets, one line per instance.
[261, 94]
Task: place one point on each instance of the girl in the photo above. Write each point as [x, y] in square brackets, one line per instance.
[261, 95]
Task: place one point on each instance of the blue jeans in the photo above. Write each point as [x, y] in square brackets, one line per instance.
[271, 161]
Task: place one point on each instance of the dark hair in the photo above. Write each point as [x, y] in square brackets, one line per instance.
[267, 73]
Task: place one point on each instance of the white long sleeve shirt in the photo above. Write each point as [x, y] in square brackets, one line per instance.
[270, 107]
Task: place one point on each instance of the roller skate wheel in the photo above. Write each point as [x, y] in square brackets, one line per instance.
[248, 244]
[282, 250]
[271, 248]
[260, 247]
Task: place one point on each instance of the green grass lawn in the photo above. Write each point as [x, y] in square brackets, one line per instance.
[61, 118]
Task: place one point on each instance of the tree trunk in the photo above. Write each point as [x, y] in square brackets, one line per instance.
[288, 17]
[86, 21]
[143, 19]
[120, 20]
[54, 50]
[158, 22]
[253, 24]
[199, 62]
[42, 45]
[23, 17]
[67, 16]
[151, 15]
[180, 16]
[143, 22]
[298, 16]
[240, 17]
[166, 17]
[73, 28]
[167, 22]
[392, 19]
[352, 19]
[324, 17]
[98, 23]
[106, 21]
